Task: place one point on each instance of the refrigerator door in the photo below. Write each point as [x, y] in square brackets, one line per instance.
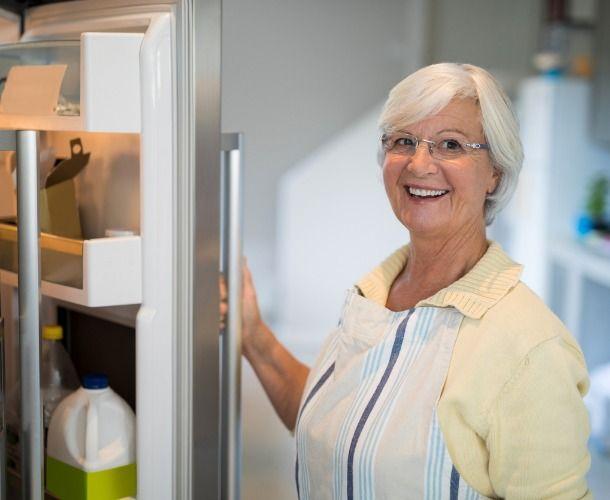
[198, 239]
[177, 325]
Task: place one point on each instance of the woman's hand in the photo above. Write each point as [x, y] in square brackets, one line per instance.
[224, 307]
[251, 317]
[283, 376]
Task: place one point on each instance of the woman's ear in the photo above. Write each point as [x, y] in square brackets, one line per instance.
[495, 180]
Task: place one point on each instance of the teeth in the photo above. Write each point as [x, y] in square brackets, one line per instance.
[425, 192]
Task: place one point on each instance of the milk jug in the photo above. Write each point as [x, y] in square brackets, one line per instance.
[91, 445]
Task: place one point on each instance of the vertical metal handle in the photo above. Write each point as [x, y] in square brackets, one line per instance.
[231, 261]
[29, 320]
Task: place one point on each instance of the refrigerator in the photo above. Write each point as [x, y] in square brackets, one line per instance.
[562, 159]
[133, 86]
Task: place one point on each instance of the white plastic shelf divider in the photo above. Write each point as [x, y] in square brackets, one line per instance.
[575, 256]
[579, 262]
[112, 274]
[110, 82]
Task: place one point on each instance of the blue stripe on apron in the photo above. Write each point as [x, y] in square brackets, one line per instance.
[419, 336]
[312, 393]
[371, 365]
[454, 486]
[400, 333]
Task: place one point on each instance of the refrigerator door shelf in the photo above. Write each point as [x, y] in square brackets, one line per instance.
[99, 92]
[93, 273]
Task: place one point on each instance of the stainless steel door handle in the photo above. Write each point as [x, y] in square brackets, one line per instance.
[231, 263]
[29, 315]
[25, 143]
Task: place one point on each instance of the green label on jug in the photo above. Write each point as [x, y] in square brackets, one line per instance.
[69, 483]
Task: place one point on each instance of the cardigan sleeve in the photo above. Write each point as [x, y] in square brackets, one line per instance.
[539, 427]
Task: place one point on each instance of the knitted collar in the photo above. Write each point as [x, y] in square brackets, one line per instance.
[491, 278]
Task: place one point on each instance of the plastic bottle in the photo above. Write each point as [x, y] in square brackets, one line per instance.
[91, 445]
[58, 377]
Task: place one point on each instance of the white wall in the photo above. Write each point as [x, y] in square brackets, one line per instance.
[498, 35]
[295, 73]
[295, 76]
[335, 225]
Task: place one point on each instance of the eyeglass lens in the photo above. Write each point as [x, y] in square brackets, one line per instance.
[406, 145]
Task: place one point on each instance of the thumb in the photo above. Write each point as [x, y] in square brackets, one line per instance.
[247, 274]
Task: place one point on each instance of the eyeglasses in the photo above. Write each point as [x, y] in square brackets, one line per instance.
[405, 144]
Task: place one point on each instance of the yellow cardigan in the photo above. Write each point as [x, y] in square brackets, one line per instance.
[511, 411]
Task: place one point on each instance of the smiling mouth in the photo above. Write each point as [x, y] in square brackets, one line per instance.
[423, 194]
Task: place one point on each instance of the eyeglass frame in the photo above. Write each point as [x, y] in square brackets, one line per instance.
[433, 144]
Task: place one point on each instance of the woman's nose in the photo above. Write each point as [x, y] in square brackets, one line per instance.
[422, 162]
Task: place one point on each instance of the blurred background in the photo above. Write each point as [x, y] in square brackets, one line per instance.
[305, 82]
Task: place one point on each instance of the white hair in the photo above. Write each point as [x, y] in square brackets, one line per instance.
[427, 91]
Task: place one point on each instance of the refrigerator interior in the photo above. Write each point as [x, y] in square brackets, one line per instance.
[120, 63]
[100, 340]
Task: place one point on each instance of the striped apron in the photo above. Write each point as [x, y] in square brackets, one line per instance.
[367, 427]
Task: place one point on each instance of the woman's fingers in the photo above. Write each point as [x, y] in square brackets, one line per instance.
[223, 307]
[222, 285]
[246, 275]
[250, 313]
[248, 282]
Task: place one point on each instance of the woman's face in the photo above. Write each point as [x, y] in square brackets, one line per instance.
[465, 180]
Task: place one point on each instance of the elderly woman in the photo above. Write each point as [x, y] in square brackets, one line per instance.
[447, 377]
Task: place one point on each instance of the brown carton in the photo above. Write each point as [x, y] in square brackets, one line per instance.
[57, 207]
[8, 201]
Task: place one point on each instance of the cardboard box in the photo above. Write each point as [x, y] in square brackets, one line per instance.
[57, 207]
[8, 200]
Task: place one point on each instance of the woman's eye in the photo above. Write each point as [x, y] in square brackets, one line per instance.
[450, 145]
[405, 141]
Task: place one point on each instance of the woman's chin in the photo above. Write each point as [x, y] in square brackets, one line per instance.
[425, 231]
[425, 225]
